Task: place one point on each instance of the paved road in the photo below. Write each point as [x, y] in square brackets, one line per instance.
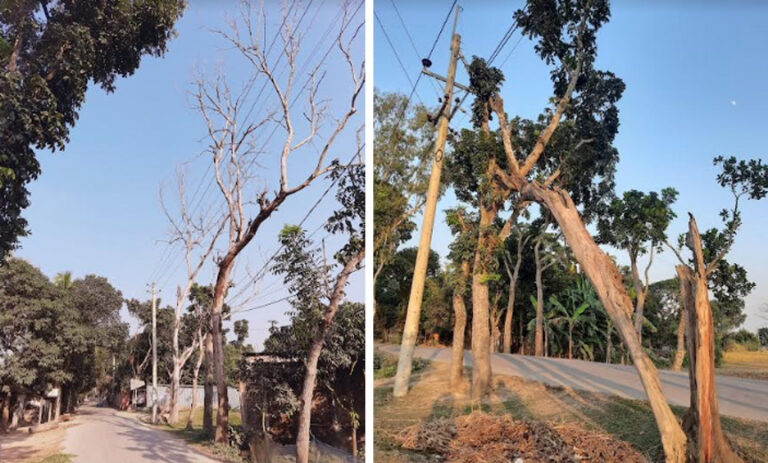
[740, 397]
[102, 436]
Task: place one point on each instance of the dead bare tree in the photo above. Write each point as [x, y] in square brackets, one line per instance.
[233, 132]
[198, 240]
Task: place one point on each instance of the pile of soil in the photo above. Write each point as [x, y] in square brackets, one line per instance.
[480, 437]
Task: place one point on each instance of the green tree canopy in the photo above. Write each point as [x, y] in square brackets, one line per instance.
[50, 51]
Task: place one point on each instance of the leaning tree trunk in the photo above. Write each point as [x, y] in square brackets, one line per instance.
[221, 429]
[208, 386]
[609, 286]
[459, 328]
[310, 378]
[677, 365]
[706, 441]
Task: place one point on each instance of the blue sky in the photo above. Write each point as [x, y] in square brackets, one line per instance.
[695, 89]
[95, 208]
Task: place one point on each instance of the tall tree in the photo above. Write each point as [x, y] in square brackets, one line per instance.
[197, 237]
[637, 223]
[400, 173]
[302, 271]
[565, 32]
[234, 133]
[49, 52]
[463, 226]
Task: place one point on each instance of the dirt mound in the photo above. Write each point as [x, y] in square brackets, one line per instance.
[480, 437]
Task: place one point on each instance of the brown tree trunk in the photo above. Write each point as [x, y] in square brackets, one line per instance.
[221, 429]
[459, 328]
[173, 400]
[608, 342]
[609, 286]
[310, 378]
[507, 348]
[570, 342]
[706, 441]
[677, 365]
[640, 295]
[538, 340]
[208, 386]
[481, 306]
[196, 373]
[4, 412]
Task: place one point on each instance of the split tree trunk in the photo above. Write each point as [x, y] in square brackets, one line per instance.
[609, 286]
[310, 378]
[677, 365]
[706, 441]
[459, 328]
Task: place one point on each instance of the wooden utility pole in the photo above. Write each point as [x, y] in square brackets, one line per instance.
[154, 355]
[411, 330]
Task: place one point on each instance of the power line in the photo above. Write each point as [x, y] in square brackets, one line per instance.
[503, 42]
[260, 273]
[512, 51]
[413, 44]
[170, 259]
[445, 21]
[397, 56]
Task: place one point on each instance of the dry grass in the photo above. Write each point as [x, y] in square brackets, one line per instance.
[630, 421]
[745, 364]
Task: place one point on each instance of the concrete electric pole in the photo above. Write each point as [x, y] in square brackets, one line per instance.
[411, 329]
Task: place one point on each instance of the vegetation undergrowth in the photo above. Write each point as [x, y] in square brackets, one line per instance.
[627, 420]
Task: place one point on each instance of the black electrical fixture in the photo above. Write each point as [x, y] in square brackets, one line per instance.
[426, 62]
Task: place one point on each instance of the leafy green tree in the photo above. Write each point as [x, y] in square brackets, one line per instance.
[637, 223]
[762, 337]
[49, 52]
[394, 287]
[32, 344]
[401, 162]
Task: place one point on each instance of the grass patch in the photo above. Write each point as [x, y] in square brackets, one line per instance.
[745, 364]
[58, 458]
[203, 441]
[631, 421]
[385, 365]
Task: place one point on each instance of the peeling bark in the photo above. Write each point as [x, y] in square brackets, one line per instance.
[706, 440]
[608, 284]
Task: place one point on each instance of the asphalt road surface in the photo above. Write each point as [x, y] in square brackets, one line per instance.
[102, 436]
[739, 397]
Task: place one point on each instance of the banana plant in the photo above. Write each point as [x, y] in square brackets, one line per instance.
[571, 316]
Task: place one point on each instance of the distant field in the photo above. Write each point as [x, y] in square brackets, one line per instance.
[745, 364]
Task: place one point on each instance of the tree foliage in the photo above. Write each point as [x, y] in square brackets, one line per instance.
[49, 52]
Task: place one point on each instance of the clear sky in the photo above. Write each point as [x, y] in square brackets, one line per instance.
[696, 89]
[95, 208]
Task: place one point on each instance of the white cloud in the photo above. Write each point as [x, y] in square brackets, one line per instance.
[733, 102]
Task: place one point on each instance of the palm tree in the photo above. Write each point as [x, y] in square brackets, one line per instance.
[63, 280]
